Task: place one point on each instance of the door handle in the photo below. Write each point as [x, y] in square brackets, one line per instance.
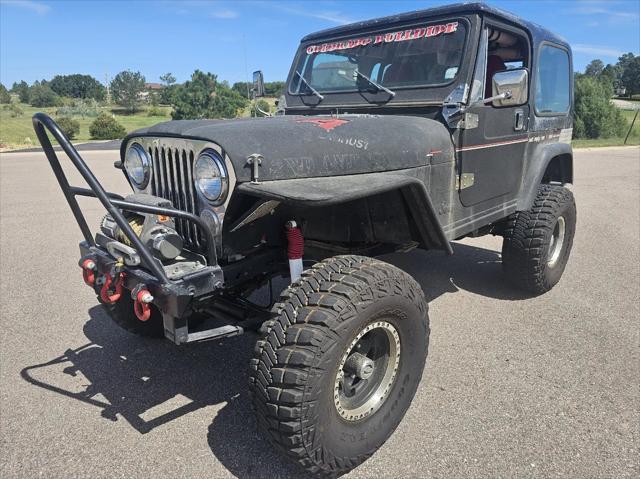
[519, 120]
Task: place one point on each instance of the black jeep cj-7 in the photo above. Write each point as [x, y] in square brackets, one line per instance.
[403, 132]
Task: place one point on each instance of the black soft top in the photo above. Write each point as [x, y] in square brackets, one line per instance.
[538, 33]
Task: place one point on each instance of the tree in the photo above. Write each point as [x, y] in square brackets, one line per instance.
[630, 76]
[22, 90]
[41, 95]
[4, 95]
[168, 79]
[126, 88]
[242, 87]
[594, 68]
[595, 115]
[204, 97]
[167, 93]
[78, 86]
[274, 88]
[611, 73]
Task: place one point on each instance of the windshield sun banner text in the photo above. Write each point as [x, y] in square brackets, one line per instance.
[399, 36]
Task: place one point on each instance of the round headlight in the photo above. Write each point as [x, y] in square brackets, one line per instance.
[136, 163]
[211, 176]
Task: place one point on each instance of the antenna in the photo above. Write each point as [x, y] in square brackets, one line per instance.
[246, 69]
[106, 82]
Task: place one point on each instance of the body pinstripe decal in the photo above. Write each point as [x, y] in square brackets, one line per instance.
[492, 145]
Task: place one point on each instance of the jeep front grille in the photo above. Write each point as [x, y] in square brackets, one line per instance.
[172, 179]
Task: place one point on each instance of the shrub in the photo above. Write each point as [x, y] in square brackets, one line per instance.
[4, 95]
[264, 106]
[81, 108]
[41, 95]
[595, 115]
[155, 111]
[106, 127]
[69, 126]
[15, 110]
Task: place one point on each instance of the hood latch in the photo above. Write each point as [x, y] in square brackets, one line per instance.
[255, 161]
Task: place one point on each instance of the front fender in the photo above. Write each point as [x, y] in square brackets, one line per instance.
[333, 190]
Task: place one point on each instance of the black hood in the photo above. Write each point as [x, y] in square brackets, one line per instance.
[313, 146]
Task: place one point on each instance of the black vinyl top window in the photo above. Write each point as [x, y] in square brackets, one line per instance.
[553, 94]
[420, 56]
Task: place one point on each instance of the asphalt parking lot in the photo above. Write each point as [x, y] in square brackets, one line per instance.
[514, 386]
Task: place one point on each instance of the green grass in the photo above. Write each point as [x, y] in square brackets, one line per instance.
[634, 137]
[18, 132]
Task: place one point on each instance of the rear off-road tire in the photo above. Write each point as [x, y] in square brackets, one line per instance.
[537, 242]
[326, 420]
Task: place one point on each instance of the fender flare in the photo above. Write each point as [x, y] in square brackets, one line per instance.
[332, 190]
[532, 178]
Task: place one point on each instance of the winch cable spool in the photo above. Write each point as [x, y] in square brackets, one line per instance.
[295, 250]
[137, 224]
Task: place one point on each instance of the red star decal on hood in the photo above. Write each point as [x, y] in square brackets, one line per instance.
[324, 123]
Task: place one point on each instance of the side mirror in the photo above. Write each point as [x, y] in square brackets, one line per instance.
[512, 86]
[258, 84]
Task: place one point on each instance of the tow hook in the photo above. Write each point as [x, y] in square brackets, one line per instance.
[141, 297]
[88, 272]
[106, 292]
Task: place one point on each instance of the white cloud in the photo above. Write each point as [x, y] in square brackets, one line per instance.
[606, 11]
[596, 50]
[332, 16]
[36, 7]
[224, 14]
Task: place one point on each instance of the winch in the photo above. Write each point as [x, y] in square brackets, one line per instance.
[156, 231]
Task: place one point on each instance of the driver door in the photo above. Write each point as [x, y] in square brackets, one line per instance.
[491, 154]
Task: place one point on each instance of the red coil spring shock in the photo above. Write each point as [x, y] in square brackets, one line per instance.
[295, 241]
[295, 250]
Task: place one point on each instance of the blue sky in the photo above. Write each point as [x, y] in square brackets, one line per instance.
[42, 38]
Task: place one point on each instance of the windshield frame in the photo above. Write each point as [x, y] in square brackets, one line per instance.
[299, 59]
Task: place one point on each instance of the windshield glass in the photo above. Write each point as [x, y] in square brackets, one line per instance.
[428, 55]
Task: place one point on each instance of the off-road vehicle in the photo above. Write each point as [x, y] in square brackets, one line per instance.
[409, 131]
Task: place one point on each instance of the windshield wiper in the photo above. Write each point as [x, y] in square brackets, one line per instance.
[313, 90]
[377, 85]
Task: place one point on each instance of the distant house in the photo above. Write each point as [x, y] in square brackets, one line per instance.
[150, 88]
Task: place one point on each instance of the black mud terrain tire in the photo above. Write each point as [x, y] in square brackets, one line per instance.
[123, 315]
[537, 242]
[295, 372]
